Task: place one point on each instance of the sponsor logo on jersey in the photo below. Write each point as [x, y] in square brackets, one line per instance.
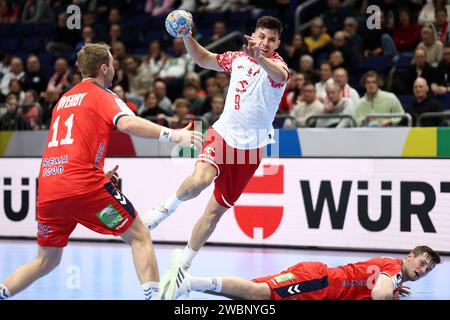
[302, 287]
[397, 280]
[284, 277]
[120, 226]
[110, 217]
[209, 153]
[99, 155]
[44, 230]
[354, 283]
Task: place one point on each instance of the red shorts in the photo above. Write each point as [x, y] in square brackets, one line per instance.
[235, 167]
[105, 211]
[304, 281]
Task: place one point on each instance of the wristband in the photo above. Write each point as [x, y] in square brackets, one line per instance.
[165, 135]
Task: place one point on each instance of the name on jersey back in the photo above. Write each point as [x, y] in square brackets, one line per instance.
[74, 100]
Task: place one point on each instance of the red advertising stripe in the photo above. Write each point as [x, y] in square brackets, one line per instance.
[121, 145]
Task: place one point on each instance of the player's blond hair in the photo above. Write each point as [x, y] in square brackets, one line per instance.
[91, 57]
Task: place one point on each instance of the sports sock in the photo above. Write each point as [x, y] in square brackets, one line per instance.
[172, 203]
[188, 256]
[4, 292]
[151, 290]
[203, 284]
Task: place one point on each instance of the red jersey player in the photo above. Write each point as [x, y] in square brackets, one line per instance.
[72, 186]
[380, 278]
[234, 145]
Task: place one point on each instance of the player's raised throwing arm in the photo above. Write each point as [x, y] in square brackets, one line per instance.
[257, 46]
[201, 55]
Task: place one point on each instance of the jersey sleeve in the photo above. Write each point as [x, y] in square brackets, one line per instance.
[111, 108]
[392, 269]
[225, 60]
[278, 59]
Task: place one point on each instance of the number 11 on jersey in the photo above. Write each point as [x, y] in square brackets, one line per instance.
[68, 139]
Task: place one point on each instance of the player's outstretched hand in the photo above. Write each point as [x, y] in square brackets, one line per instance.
[405, 290]
[252, 47]
[187, 137]
[113, 175]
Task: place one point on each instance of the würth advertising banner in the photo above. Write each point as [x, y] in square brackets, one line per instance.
[333, 203]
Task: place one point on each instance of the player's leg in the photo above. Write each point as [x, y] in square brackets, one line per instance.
[108, 211]
[138, 237]
[241, 288]
[182, 259]
[48, 258]
[229, 186]
[206, 225]
[203, 229]
[55, 224]
[230, 287]
[203, 176]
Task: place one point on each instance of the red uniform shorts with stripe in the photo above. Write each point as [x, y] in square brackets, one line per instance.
[303, 281]
[105, 210]
[235, 167]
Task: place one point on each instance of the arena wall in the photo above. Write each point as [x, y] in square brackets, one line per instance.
[359, 203]
[357, 142]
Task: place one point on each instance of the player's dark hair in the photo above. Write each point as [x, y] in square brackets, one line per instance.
[91, 57]
[433, 255]
[270, 23]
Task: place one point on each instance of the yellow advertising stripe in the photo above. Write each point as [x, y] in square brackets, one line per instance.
[5, 137]
[421, 142]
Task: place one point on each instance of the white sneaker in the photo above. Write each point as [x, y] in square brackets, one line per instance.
[152, 218]
[183, 285]
[177, 283]
[173, 279]
[177, 259]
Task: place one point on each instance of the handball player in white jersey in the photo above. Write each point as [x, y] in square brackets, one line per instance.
[234, 146]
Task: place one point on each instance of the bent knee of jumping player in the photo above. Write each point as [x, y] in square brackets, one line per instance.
[195, 184]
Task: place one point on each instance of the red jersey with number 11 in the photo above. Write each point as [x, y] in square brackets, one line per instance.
[82, 122]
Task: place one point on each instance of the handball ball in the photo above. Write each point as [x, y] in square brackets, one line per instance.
[178, 23]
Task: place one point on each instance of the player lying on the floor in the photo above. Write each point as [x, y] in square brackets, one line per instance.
[378, 278]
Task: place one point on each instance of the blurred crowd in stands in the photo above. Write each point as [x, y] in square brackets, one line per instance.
[342, 72]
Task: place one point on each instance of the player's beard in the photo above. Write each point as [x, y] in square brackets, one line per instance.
[108, 84]
[108, 80]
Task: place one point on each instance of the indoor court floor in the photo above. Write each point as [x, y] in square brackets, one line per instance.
[105, 271]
